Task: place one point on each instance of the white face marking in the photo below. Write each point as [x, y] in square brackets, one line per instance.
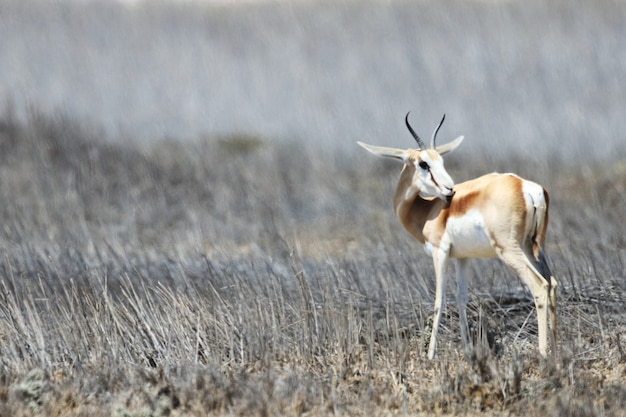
[432, 180]
[426, 158]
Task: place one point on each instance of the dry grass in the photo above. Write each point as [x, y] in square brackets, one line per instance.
[238, 276]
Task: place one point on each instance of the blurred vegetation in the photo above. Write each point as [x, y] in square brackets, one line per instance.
[244, 276]
[535, 78]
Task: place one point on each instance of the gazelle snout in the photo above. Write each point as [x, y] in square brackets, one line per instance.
[447, 192]
[445, 184]
[449, 197]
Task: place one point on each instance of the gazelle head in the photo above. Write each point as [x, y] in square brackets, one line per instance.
[429, 174]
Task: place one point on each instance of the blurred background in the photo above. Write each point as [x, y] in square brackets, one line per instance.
[530, 78]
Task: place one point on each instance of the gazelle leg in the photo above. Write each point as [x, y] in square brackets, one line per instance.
[461, 299]
[552, 300]
[540, 293]
[539, 288]
[541, 264]
[440, 259]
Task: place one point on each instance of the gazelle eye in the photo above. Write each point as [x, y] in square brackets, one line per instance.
[424, 165]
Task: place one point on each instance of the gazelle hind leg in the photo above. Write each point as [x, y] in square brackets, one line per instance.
[544, 269]
[553, 285]
[541, 265]
[539, 288]
[440, 259]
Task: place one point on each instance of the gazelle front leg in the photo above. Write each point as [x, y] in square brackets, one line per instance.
[461, 299]
[440, 259]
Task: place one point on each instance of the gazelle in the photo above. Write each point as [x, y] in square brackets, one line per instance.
[493, 215]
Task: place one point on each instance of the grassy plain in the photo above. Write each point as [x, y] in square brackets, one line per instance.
[241, 276]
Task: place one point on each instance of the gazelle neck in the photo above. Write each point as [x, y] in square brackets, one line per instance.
[412, 210]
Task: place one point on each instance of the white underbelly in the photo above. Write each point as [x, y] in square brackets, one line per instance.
[468, 236]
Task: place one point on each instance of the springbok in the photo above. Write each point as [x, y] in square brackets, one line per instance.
[493, 215]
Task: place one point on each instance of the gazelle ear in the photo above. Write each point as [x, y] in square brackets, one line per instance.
[394, 153]
[450, 146]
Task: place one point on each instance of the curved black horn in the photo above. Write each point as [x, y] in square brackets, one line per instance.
[417, 138]
[432, 141]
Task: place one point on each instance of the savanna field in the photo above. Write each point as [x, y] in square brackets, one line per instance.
[259, 271]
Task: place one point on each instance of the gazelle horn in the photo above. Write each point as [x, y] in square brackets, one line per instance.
[417, 138]
[432, 141]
